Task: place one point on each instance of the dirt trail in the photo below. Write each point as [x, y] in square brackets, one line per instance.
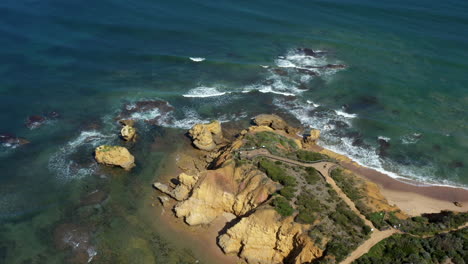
[323, 167]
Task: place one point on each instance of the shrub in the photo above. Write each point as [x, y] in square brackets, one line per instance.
[276, 173]
[312, 176]
[282, 206]
[288, 192]
[309, 156]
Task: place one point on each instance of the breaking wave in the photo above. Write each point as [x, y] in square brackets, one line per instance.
[203, 92]
[197, 59]
[66, 167]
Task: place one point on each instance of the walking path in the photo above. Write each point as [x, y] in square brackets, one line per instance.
[324, 167]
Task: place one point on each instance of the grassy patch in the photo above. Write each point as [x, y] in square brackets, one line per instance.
[309, 156]
[274, 143]
[276, 173]
[282, 206]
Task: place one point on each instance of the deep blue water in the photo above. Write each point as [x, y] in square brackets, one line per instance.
[405, 83]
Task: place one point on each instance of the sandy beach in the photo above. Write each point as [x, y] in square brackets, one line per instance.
[413, 198]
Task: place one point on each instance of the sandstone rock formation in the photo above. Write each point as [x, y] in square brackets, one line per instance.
[182, 190]
[313, 137]
[273, 121]
[114, 156]
[128, 133]
[264, 237]
[229, 189]
[207, 136]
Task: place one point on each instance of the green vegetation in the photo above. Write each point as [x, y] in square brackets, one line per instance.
[308, 208]
[430, 224]
[274, 143]
[312, 176]
[309, 156]
[288, 192]
[276, 173]
[427, 224]
[443, 248]
[282, 206]
[106, 148]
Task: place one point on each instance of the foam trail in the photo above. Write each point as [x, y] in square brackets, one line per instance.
[197, 59]
[203, 92]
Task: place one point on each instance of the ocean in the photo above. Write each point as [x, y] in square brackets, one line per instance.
[385, 82]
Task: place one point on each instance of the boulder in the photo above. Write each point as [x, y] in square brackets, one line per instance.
[114, 156]
[182, 190]
[128, 133]
[35, 121]
[207, 136]
[313, 137]
[273, 121]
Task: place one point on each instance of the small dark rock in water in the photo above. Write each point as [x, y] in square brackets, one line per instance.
[456, 164]
[396, 112]
[302, 86]
[267, 82]
[383, 146]
[9, 140]
[437, 147]
[311, 52]
[458, 204]
[95, 197]
[308, 72]
[335, 66]
[280, 72]
[338, 124]
[52, 115]
[35, 121]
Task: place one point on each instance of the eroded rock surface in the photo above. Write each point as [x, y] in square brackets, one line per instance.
[264, 237]
[115, 156]
[273, 121]
[229, 189]
[207, 136]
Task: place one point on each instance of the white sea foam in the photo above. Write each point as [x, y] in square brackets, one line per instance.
[66, 168]
[197, 59]
[410, 139]
[347, 115]
[204, 91]
[363, 155]
[191, 118]
[146, 115]
[383, 138]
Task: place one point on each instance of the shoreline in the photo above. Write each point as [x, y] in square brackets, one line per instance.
[412, 198]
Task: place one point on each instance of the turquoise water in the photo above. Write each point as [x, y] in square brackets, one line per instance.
[405, 84]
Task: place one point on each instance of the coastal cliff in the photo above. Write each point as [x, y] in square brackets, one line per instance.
[283, 202]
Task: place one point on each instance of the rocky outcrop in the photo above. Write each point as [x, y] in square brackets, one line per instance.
[207, 136]
[11, 141]
[264, 237]
[128, 133]
[182, 190]
[312, 137]
[275, 122]
[114, 156]
[229, 189]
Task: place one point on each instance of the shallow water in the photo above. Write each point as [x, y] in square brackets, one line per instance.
[404, 83]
